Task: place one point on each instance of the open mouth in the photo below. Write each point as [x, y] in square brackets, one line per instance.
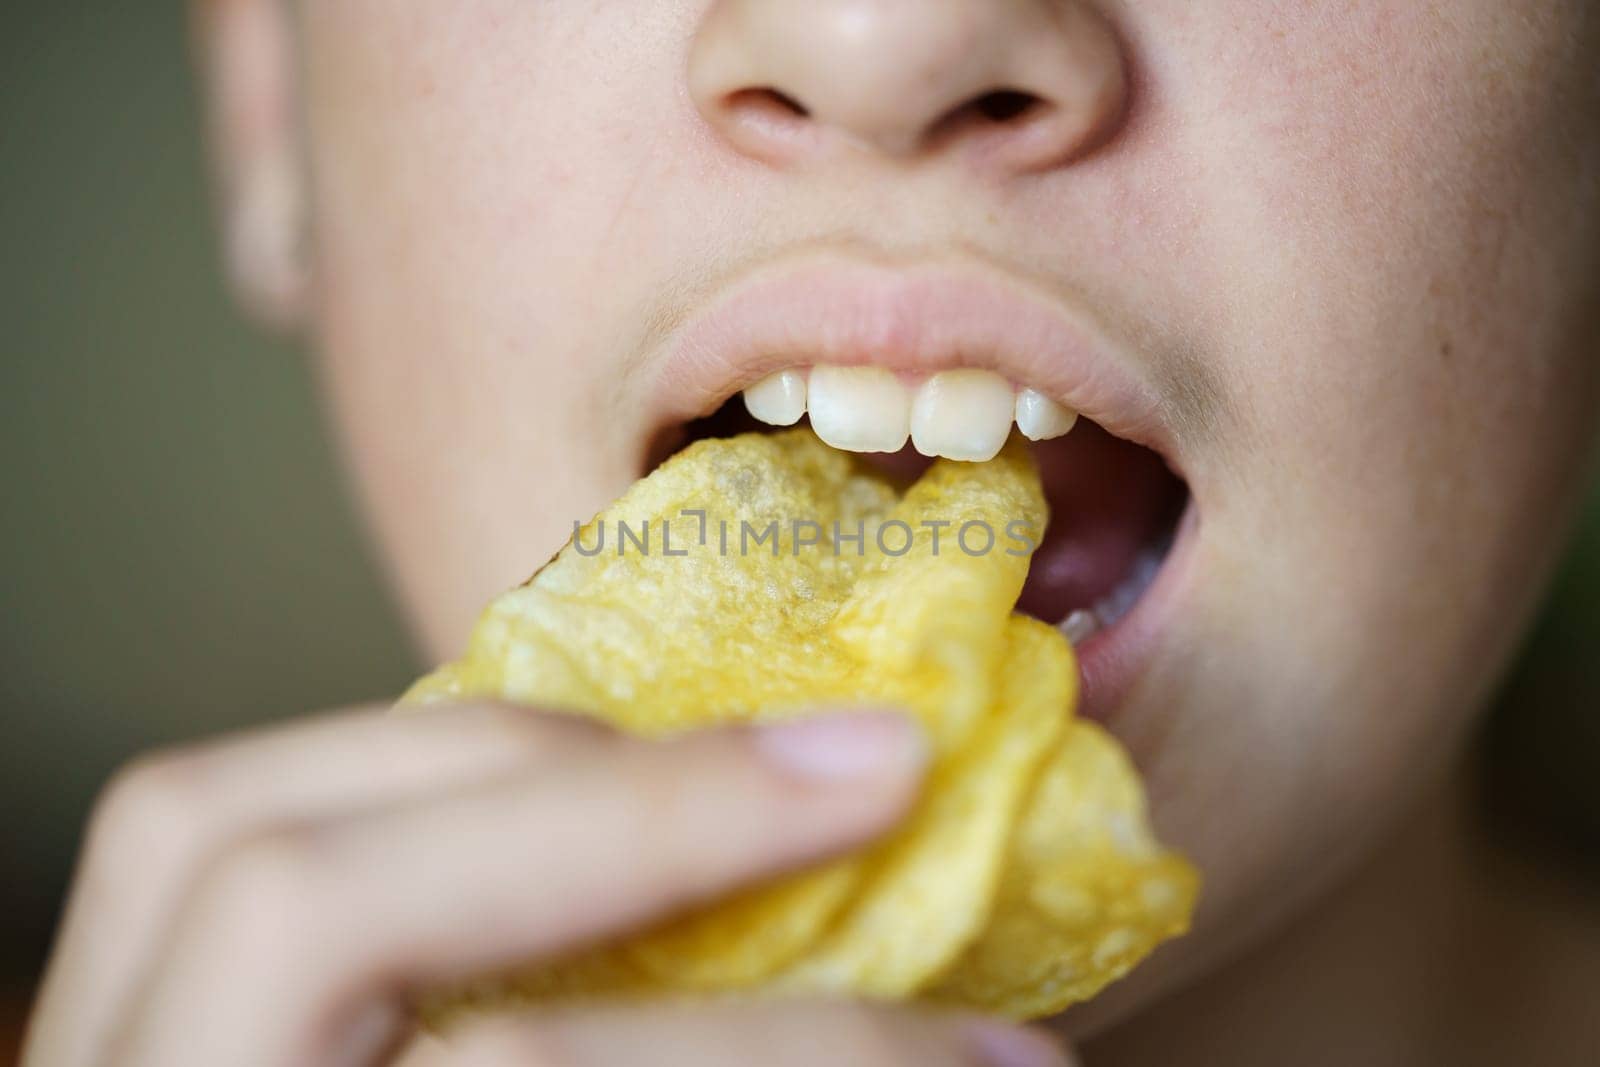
[1115, 510]
[905, 364]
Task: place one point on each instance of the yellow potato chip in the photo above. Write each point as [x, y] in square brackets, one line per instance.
[764, 576]
[927, 893]
[746, 938]
[1087, 892]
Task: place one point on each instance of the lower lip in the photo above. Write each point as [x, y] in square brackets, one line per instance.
[1113, 660]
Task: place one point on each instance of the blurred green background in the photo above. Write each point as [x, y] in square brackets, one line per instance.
[178, 553]
[178, 556]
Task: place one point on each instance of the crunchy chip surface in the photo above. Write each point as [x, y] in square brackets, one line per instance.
[1086, 891]
[757, 577]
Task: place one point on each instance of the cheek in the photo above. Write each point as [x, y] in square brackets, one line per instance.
[1399, 230]
[1389, 234]
[473, 184]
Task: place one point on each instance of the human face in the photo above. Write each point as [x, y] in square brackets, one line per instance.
[1333, 263]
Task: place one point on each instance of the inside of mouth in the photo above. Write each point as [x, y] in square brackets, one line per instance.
[1114, 511]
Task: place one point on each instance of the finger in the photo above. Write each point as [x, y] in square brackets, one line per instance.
[167, 814]
[773, 1034]
[391, 901]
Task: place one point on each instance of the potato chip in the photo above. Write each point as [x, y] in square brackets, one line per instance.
[927, 893]
[1086, 894]
[767, 575]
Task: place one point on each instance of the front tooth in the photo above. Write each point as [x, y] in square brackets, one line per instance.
[859, 409]
[778, 399]
[1040, 418]
[962, 414]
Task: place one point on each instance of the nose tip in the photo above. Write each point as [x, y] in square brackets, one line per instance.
[1024, 83]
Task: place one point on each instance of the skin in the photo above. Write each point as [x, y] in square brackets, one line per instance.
[1353, 246]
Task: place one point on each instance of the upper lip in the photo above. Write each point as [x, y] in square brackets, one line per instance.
[924, 317]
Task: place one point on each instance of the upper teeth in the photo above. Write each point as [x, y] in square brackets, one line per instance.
[962, 414]
[858, 409]
[1040, 418]
[779, 399]
[958, 414]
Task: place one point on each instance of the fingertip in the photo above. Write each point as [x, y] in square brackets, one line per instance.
[1001, 1044]
[841, 746]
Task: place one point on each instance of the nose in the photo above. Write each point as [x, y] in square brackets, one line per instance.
[1024, 84]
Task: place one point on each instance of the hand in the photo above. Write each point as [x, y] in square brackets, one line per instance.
[279, 899]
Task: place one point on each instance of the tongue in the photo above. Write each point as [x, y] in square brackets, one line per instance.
[1110, 501]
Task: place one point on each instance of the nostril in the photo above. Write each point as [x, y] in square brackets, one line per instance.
[998, 112]
[1005, 105]
[769, 102]
[764, 123]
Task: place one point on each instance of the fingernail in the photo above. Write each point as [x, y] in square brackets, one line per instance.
[1002, 1045]
[842, 745]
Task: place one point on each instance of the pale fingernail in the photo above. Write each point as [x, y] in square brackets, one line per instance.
[843, 745]
[1002, 1045]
